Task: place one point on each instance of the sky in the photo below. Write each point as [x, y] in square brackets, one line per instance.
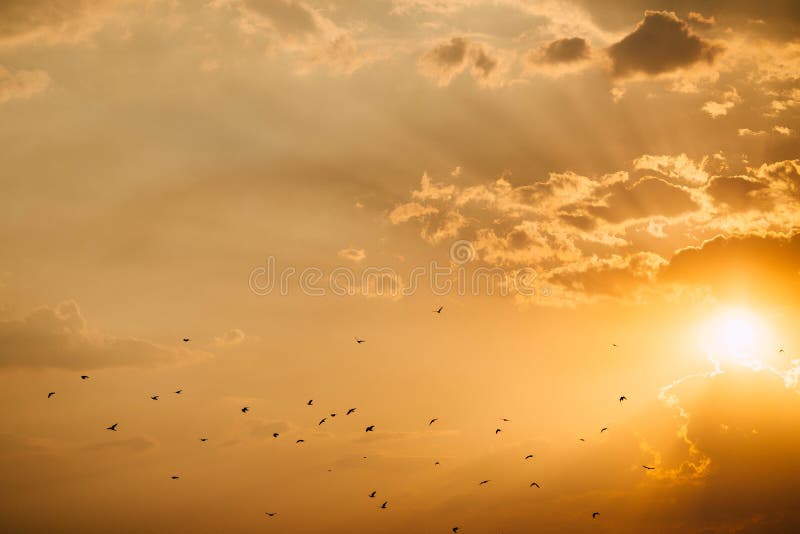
[526, 210]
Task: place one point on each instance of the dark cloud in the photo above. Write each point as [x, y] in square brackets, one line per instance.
[646, 198]
[449, 54]
[565, 50]
[51, 20]
[660, 43]
[285, 16]
[483, 63]
[59, 338]
[737, 192]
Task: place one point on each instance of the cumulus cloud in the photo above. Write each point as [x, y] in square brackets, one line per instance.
[719, 108]
[353, 254]
[566, 50]
[21, 84]
[660, 43]
[59, 337]
[450, 58]
[51, 21]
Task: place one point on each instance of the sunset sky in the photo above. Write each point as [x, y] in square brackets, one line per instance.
[610, 189]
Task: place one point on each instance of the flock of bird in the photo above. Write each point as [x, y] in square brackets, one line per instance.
[369, 428]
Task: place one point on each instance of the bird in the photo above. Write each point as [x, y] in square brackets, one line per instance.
[51, 394]
[439, 309]
[432, 421]
[498, 430]
[436, 463]
[595, 514]
[529, 457]
[186, 340]
[581, 439]
[272, 514]
[506, 420]
[179, 392]
[780, 350]
[603, 429]
[482, 482]
[623, 398]
[154, 397]
[535, 484]
[333, 415]
[648, 467]
[613, 344]
[360, 341]
[113, 427]
[372, 495]
[322, 420]
[310, 402]
[245, 409]
[370, 428]
[351, 410]
[203, 439]
[455, 529]
[275, 434]
[84, 377]
[300, 441]
[384, 504]
[175, 477]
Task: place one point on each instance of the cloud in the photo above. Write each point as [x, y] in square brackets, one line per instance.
[410, 210]
[698, 20]
[680, 168]
[22, 84]
[284, 16]
[661, 43]
[720, 108]
[566, 50]
[747, 132]
[445, 60]
[60, 338]
[783, 130]
[51, 21]
[645, 198]
[233, 336]
[352, 254]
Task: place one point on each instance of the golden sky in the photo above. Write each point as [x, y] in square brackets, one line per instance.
[603, 197]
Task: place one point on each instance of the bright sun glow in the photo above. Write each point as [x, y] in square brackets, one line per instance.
[737, 335]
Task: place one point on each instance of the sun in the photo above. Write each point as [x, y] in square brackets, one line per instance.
[737, 335]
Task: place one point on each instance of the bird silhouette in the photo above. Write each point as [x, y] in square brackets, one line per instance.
[245, 409]
[506, 420]
[613, 344]
[351, 410]
[648, 467]
[439, 309]
[603, 429]
[272, 514]
[623, 398]
[113, 427]
[186, 340]
[179, 392]
[370, 428]
[435, 463]
[581, 439]
[300, 441]
[51, 394]
[498, 430]
[310, 402]
[175, 477]
[203, 439]
[780, 350]
[455, 529]
[322, 420]
[482, 482]
[595, 514]
[529, 457]
[384, 504]
[535, 484]
[275, 434]
[154, 397]
[372, 495]
[333, 415]
[84, 377]
[432, 421]
[360, 341]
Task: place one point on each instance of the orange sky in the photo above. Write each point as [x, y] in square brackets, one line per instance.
[602, 196]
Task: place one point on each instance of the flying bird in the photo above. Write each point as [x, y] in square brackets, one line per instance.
[384, 504]
[154, 397]
[351, 410]
[51, 394]
[603, 429]
[322, 421]
[275, 434]
[535, 484]
[439, 309]
[272, 514]
[333, 415]
[581, 439]
[179, 392]
[436, 463]
[623, 398]
[245, 409]
[498, 430]
[506, 420]
[613, 344]
[203, 439]
[455, 529]
[84, 377]
[482, 482]
[372, 495]
[595, 514]
[113, 427]
[648, 467]
[432, 421]
[186, 340]
[780, 350]
[360, 341]
[310, 402]
[370, 428]
[300, 441]
[175, 477]
[529, 457]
